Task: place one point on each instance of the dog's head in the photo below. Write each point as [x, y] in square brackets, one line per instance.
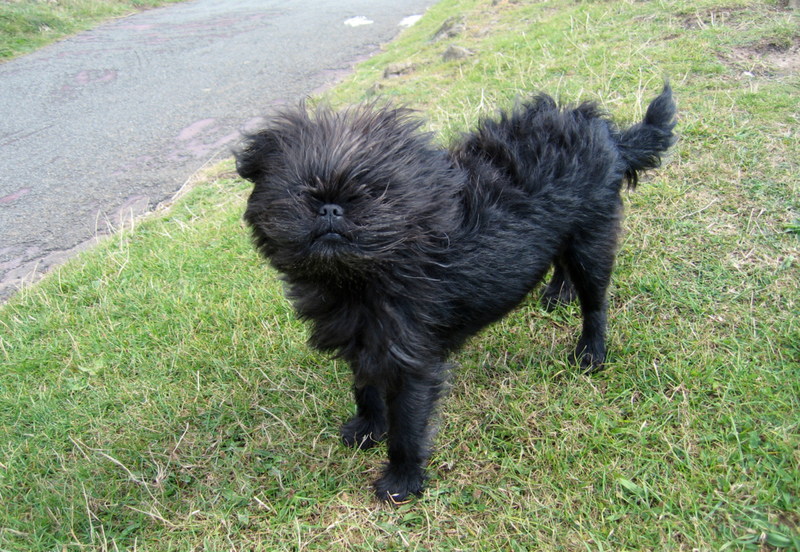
[337, 195]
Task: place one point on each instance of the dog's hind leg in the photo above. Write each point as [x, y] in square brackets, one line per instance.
[589, 261]
[368, 426]
[410, 408]
[560, 290]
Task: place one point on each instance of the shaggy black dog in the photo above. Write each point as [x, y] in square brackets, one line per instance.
[396, 251]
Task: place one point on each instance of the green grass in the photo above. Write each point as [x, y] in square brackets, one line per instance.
[156, 392]
[26, 25]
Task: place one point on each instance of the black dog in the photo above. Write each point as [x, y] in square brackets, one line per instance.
[397, 251]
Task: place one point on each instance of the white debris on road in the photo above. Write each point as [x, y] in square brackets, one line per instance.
[358, 21]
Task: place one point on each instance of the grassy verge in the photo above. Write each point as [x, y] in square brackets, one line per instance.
[26, 25]
[156, 393]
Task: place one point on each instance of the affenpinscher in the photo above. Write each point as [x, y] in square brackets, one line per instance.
[396, 250]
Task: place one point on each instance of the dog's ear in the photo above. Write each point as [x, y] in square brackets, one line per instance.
[257, 154]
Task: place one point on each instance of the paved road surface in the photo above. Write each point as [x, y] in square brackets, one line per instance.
[114, 120]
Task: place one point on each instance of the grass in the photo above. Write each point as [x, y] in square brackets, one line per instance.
[26, 25]
[156, 392]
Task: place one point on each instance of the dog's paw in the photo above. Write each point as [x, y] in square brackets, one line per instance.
[554, 298]
[398, 485]
[589, 358]
[363, 433]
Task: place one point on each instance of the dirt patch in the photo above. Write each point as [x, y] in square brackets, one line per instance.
[786, 59]
[766, 59]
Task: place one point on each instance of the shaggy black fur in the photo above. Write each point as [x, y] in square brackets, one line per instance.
[396, 251]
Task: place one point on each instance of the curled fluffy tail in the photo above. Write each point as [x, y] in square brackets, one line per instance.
[642, 145]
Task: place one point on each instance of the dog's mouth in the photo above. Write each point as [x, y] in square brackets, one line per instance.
[332, 238]
[329, 243]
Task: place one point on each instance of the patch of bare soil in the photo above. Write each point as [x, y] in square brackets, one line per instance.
[785, 59]
[766, 59]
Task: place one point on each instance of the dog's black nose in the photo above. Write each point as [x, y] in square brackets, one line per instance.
[331, 211]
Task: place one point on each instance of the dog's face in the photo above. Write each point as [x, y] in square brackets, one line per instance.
[338, 195]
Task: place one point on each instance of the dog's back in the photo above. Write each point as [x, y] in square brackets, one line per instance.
[542, 144]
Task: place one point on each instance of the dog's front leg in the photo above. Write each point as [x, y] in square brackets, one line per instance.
[409, 409]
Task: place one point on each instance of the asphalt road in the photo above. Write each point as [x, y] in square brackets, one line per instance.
[113, 121]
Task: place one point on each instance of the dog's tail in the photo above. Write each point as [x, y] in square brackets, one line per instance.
[642, 145]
